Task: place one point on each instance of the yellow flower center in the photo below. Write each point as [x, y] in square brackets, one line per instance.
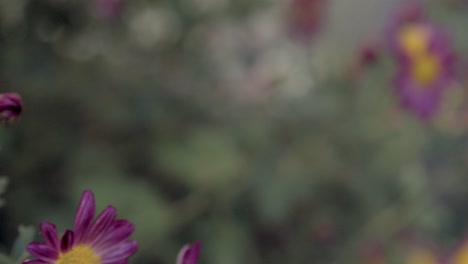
[425, 69]
[461, 256]
[413, 39]
[81, 254]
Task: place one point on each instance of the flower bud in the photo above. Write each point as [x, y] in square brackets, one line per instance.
[11, 107]
[189, 253]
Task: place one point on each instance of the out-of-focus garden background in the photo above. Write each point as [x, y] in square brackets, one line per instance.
[212, 120]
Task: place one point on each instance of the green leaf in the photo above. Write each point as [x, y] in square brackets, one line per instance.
[4, 259]
[26, 234]
[208, 159]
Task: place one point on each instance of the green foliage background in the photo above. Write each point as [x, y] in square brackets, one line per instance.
[202, 120]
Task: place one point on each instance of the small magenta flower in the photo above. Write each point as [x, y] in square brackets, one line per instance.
[11, 106]
[425, 62]
[104, 241]
[367, 56]
[305, 18]
[369, 53]
[189, 253]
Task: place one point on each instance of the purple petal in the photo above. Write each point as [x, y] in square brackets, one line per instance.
[120, 252]
[119, 231]
[101, 225]
[195, 251]
[118, 224]
[49, 232]
[42, 251]
[424, 101]
[189, 254]
[67, 241]
[182, 255]
[84, 215]
[439, 41]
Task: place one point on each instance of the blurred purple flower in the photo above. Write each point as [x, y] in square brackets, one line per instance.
[104, 241]
[11, 106]
[109, 9]
[425, 61]
[305, 18]
[189, 253]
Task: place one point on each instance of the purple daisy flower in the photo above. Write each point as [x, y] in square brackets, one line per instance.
[425, 61]
[11, 107]
[189, 253]
[104, 241]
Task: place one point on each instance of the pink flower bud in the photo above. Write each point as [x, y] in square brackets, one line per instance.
[11, 107]
[189, 253]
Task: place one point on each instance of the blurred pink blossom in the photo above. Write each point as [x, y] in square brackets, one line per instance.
[305, 18]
